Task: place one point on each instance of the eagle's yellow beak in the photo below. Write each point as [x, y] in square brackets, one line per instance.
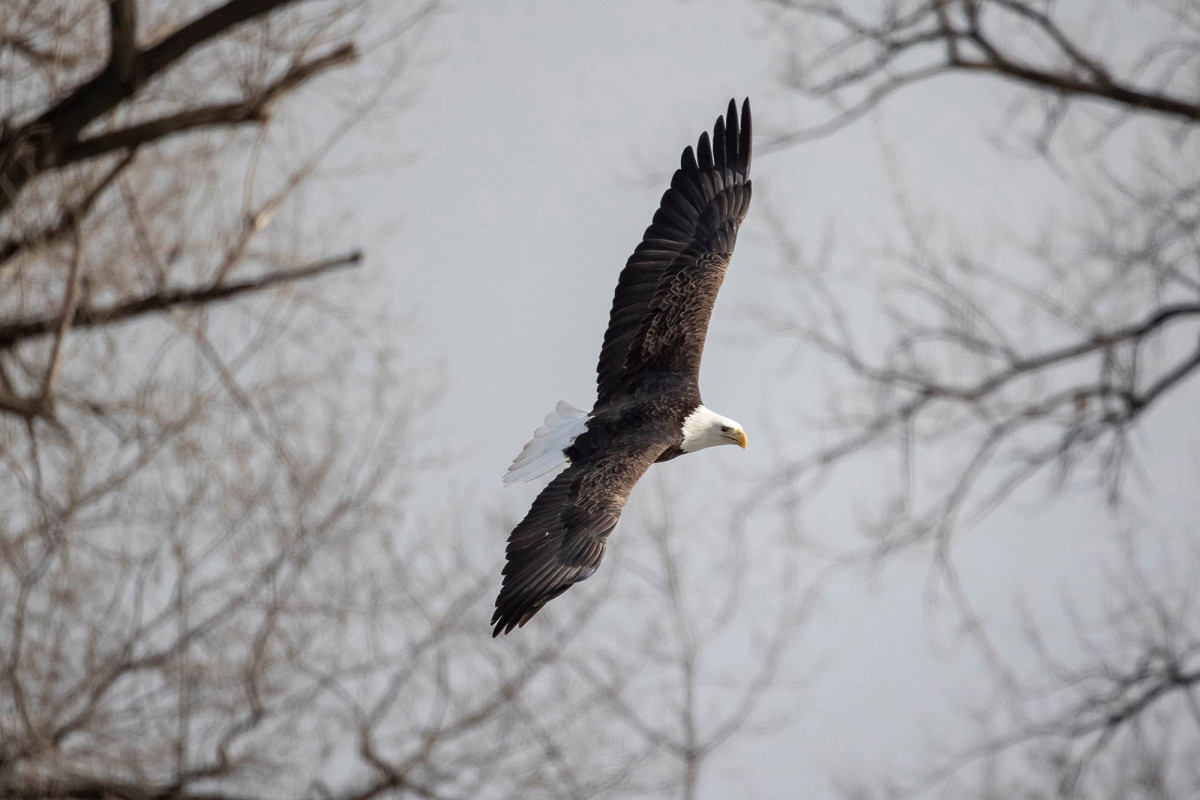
[738, 437]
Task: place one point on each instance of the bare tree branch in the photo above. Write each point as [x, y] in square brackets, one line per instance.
[69, 217]
[122, 27]
[158, 301]
[37, 145]
[65, 317]
[255, 109]
[869, 61]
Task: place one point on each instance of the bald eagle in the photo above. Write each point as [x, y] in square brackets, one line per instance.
[648, 405]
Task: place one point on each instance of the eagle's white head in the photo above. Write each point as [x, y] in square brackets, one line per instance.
[706, 428]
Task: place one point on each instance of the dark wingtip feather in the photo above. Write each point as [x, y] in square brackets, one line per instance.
[706, 156]
[720, 148]
[687, 162]
[510, 615]
[499, 620]
[744, 144]
[732, 137]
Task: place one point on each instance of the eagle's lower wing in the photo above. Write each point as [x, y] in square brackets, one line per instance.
[666, 291]
[562, 539]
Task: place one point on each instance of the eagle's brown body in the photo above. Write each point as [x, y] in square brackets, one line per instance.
[648, 405]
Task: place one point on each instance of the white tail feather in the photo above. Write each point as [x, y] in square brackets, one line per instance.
[545, 450]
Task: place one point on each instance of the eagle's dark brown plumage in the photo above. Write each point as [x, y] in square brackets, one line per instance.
[648, 395]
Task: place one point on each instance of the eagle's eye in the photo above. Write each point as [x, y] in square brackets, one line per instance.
[724, 429]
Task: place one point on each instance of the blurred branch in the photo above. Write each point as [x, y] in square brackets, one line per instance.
[109, 790]
[34, 54]
[253, 109]
[908, 44]
[90, 317]
[694, 712]
[69, 217]
[65, 318]
[910, 396]
[122, 29]
[38, 145]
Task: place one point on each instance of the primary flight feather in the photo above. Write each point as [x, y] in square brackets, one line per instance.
[648, 405]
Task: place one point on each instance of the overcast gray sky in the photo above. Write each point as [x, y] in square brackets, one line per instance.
[540, 141]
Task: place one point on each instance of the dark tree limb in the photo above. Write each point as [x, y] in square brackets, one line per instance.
[122, 31]
[107, 790]
[255, 109]
[36, 146]
[28, 408]
[1124, 96]
[91, 317]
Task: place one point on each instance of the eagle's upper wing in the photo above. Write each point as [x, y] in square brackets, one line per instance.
[666, 292]
[562, 538]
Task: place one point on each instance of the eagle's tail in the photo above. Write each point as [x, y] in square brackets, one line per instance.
[545, 450]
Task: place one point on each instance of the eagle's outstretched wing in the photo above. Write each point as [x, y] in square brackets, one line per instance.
[666, 292]
[562, 538]
[659, 319]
